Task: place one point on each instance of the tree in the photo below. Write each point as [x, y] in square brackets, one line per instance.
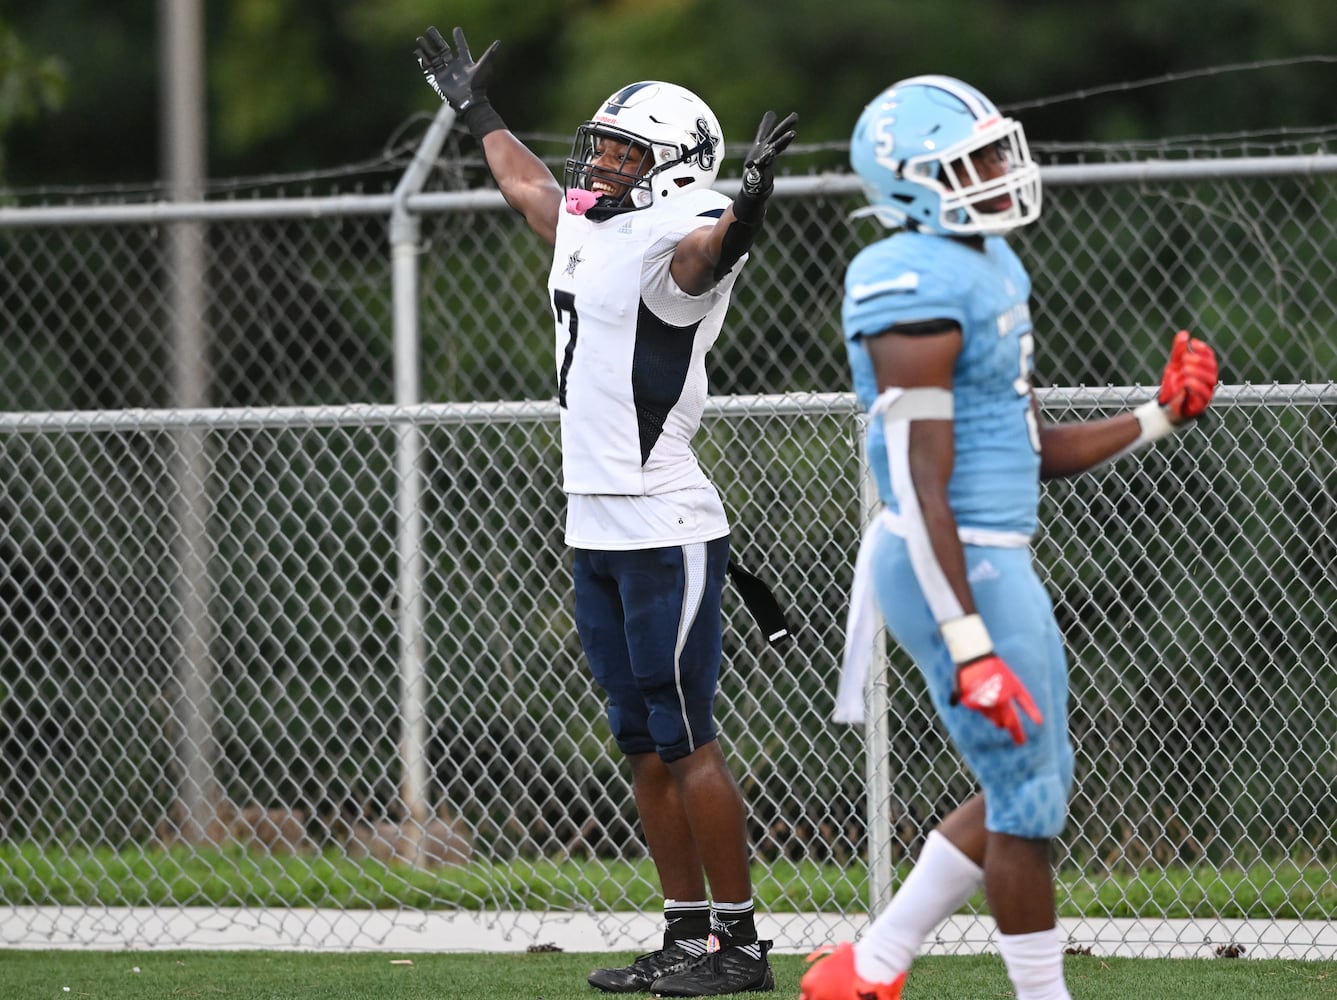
[29, 85]
[310, 85]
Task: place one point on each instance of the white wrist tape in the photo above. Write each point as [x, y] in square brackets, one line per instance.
[1153, 422]
[967, 639]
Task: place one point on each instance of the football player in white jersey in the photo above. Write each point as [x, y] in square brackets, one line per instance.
[940, 342]
[645, 257]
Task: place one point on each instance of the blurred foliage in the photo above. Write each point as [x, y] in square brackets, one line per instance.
[29, 84]
[297, 85]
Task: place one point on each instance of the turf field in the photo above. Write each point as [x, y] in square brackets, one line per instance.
[246, 975]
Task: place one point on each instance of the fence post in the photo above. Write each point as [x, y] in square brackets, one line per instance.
[405, 228]
[194, 708]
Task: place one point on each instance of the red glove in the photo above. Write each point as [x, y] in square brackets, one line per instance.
[989, 686]
[1189, 380]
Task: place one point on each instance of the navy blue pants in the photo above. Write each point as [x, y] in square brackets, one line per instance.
[649, 621]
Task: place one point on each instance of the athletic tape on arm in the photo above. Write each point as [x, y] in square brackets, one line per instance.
[919, 403]
[898, 408]
[1152, 424]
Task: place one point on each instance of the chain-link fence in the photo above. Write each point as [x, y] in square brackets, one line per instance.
[302, 618]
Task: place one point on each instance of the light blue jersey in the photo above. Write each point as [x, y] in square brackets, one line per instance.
[994, 492]
[911, 277]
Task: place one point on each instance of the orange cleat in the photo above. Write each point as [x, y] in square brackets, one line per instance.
[832, 976]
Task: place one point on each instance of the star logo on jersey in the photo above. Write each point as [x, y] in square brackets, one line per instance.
[571, 263]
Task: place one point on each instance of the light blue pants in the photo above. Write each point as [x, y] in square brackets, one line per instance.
[1025, 787]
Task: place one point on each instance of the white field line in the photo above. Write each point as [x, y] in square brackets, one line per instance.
[217, 929]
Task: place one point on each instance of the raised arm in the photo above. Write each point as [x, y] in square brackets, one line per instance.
[1187, 385]
[523, 179]
[708, 254]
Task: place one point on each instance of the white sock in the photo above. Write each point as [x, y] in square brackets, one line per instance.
[941, 881]
[1035, 964]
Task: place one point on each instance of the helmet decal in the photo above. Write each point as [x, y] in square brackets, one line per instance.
[619, 100]
[979, 105]
[706, 144]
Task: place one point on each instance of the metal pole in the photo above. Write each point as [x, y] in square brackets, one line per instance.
[182, 97]
[404, 249]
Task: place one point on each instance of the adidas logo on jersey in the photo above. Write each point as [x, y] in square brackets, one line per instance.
[983, 570]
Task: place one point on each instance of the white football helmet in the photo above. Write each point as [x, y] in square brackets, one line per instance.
[912, 148]
[680, 132]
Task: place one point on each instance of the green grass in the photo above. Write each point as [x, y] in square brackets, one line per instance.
[188, 975]
[36, 876]
[49, 875]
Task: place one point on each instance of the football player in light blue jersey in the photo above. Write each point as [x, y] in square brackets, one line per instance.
[941, 346]
[921, 278]
[646, 253]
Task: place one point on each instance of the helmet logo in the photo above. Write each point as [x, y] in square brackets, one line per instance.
[706, 144]
[884, 141]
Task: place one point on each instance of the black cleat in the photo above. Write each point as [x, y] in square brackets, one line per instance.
[640, 974]
[728, 970]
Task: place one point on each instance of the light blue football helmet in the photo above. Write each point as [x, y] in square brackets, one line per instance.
[912, 148]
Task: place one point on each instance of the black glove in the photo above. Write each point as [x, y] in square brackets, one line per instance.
[456, 78]
[759, 167]
[749, 206]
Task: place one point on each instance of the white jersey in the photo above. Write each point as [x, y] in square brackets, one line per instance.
[631, 376]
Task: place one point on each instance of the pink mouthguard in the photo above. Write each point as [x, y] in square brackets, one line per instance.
[578, 201]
